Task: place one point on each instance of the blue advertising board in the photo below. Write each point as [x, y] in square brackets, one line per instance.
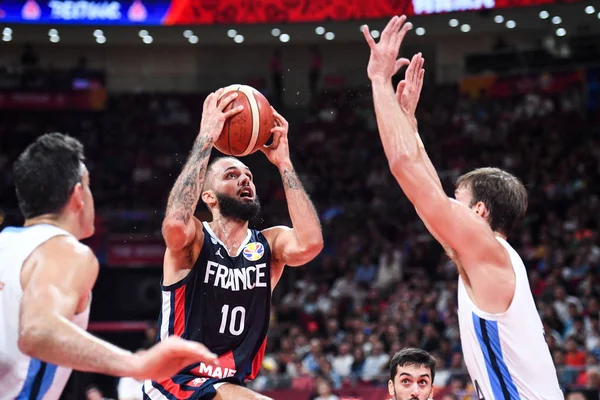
[88, 12]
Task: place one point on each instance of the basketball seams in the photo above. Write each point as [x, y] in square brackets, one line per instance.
[255, 115]
[254, 128]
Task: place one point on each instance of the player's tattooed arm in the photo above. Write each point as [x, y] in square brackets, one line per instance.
[290, 179]
[186, 191]
[304, 241]
[178, 228]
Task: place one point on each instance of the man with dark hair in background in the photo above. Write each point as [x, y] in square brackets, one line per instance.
[46, 278]
[411, 375]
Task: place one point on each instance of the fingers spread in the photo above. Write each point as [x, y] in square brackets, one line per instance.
[368, 37]
[400, 63]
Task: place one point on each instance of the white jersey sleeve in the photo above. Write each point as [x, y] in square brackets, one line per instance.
[506, 354]
[23, 377]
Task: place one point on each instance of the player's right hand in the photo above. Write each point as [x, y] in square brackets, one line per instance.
[168, 357]
[213, 117]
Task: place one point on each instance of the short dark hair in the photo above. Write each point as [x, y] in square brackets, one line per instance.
[46, 172]
[412, 356]
[503, 194]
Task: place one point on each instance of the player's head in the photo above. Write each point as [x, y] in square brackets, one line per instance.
[411, 375]
[229, 188]
[497, 196]
[52, 181]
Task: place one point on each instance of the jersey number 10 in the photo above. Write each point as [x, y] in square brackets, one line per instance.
[235, 327]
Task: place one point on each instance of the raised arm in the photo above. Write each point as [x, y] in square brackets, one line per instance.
[452, 224]
[302, 243]
[179, 228]
[57, 280]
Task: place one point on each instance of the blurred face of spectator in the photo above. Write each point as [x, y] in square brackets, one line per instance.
[93, 394]
[570, 345]
[411, 383]
[230, 188]
[594, 323]
[151, 332]
[323, 388]
[559, 293]
[358, 354]
[344, 349]
[576, 396]
[315, 346]
[559, 358]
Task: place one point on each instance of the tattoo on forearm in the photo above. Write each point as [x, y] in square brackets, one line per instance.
[186, 191]
[290, 180]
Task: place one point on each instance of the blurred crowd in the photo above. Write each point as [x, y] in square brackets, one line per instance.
[382, 282]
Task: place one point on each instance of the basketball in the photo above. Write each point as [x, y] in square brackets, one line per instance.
[247, 131]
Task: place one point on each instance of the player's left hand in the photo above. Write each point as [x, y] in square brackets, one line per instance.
[408, 91]
[383, 62]
[278, 152]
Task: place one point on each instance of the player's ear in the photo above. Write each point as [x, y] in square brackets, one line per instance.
[390, 387]
[481, 210]
[76, 199]
[430, 397]
[209, 197]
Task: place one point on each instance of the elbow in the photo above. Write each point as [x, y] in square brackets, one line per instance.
[174, 234]
[31, 338]
[314, 247]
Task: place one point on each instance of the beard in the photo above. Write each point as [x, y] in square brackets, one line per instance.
[232, 207]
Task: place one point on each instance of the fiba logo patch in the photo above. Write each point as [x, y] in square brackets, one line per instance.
[253, 251]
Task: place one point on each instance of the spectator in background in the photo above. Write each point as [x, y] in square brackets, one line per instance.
[324, 390]
[94, 393]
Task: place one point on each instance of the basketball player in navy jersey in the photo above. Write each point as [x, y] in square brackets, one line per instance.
[46, 279]
[218, 277]
[500, 328]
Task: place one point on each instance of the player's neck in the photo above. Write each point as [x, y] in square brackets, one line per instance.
[55, 220]
[500, 235]
[231, 232]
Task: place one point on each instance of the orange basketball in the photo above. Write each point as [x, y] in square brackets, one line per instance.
[247, 131]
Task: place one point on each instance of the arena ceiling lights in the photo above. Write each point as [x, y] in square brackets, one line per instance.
[29, 21]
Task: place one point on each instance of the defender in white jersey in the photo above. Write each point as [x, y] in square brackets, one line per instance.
[501, 332]
[46, 278]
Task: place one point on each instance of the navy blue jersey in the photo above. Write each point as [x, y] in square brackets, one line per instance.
[223, 303]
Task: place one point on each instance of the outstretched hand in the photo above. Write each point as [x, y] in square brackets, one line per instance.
[384, 62]
[278, 152]
[168, 357]
[408, 91]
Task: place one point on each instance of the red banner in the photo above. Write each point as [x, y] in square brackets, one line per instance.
[521, 84]
[132, 251]
[79, 100]
[185, 12]
[548, 83]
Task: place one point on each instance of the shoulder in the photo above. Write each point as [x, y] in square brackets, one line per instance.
[67, 249]
[273, 232]
[60, 259]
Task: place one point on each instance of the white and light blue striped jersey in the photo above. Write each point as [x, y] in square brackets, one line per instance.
[23, 377]
[506, 354]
